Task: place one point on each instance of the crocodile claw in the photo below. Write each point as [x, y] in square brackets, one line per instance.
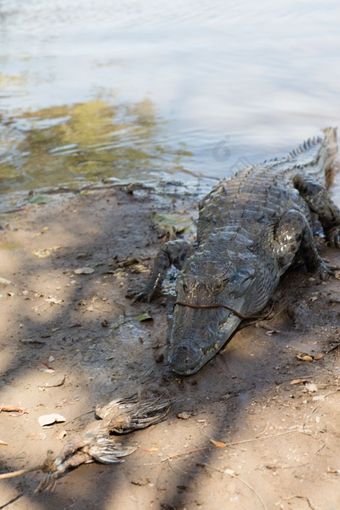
[145, 295]
[324, 271]
[333, 237]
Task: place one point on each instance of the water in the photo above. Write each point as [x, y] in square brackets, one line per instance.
[145, 89]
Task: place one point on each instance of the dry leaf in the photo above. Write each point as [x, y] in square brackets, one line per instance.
[32, 341]
[84, 270]
[4, 282]
[304, 357]
[13, 409]
[298, 381]
[229, 472]
[53, 300]
[50, 419]
[318, 356]
[184, 415]
[311, 387]
[271, 332]
[42, 253]
[145, 316]
[333, 471]
[218, 444]
[59, 381]
[318, 398]
[3, 443]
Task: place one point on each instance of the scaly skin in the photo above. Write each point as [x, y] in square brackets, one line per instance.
[250, 230]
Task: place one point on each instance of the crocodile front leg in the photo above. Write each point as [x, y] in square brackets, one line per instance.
[171, 253]
[293, 234]
[322, 205]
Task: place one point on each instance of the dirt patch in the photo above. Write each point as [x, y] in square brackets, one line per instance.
[257, 428]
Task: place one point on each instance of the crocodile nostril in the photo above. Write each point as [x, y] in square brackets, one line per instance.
[184, 358]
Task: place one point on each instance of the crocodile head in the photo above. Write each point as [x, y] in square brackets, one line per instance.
[233, 279]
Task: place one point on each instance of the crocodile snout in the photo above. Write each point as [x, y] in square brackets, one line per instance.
[185, 359]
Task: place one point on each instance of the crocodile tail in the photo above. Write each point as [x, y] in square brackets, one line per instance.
[316, 157]
[328, 154]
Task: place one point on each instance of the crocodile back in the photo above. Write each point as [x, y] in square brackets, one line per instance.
[259, 194]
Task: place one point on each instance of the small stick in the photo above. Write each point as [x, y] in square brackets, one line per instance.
[297, 496]
[232, 475]
[218, 305]
[19, 472]
[234, 443]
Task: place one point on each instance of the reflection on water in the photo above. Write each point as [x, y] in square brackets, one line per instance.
[145, 88]
[85, 141]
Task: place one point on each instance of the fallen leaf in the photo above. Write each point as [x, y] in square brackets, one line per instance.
[4, 282]
[53, 300]
[318, 356]
[298, 381]
[13, 409]
[171, 224]
[3, 443]
[59, 381]
[311, 387]
[144, 317]
[47, 370]
[151, 450]
[43, 252]
[218, 444]
[184, 415]
[32, 341]
[84, 270]
[229, 472]
[318, 397]
[38, 199]
[333, 471]
[304, 357]
[50, 419]
[141, 482]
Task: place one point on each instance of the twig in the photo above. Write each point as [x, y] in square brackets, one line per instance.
[331, 393]
[221, 305]
[333, 348]
[297, 496]
[13, 500]
[18, 472]
[232, 475]
[191, 452]
[234, 443]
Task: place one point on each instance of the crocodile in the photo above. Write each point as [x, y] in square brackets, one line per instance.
[251, 228]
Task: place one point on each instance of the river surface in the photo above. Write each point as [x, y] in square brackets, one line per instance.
[148, 89]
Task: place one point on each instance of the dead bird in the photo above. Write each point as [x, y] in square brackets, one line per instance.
[98, 441]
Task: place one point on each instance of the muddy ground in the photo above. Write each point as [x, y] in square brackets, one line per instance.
[261, 422]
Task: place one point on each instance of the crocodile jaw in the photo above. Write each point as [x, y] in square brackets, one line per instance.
[189, 355]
